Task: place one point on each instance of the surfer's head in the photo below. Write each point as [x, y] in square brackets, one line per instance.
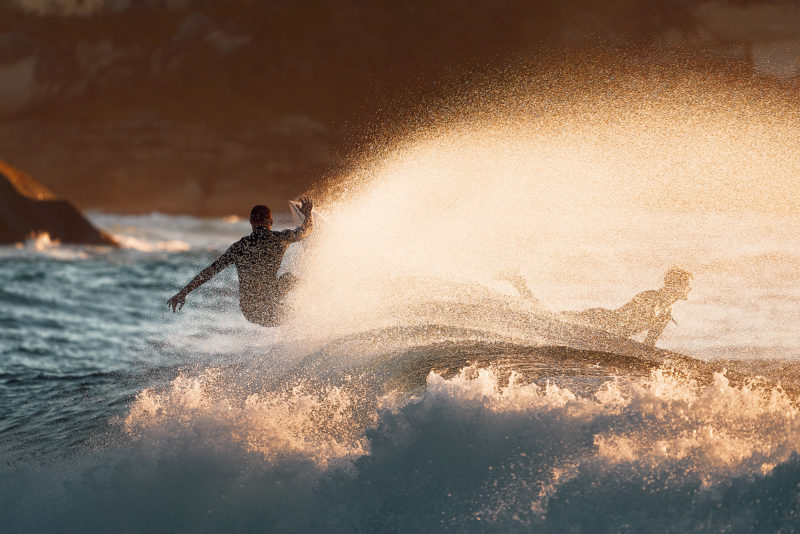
[260, 215]
[678, 282]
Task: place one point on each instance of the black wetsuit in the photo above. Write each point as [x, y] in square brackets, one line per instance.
[257, 258]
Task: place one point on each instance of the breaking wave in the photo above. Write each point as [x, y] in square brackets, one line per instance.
[480, 449]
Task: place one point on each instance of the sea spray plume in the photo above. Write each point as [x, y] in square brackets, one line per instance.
[469, 195]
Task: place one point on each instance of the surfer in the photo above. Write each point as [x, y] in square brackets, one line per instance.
[648, 311]
[257, 258]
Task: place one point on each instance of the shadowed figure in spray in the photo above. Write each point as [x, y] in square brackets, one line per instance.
[648, 311]
[257, 258]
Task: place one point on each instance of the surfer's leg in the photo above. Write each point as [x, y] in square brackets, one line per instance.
[260, 313]
[262, 320]
[267, 309]
[286, 283]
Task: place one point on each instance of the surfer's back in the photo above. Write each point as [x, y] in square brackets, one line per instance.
[259, 254]
[257, 258]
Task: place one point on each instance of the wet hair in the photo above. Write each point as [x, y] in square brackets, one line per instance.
[677, 277]
[260, 214]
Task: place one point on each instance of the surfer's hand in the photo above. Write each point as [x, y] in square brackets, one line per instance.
[177, 302]
[305, 206]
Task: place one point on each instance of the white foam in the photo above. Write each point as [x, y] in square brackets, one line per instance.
[473, 452]
[142, 245]
[667, 418]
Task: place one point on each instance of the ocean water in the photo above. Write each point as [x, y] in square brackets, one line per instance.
[401, 399]
[409, 388]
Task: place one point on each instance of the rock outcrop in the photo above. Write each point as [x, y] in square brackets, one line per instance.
[27, 209]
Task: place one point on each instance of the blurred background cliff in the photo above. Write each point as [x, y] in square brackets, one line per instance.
[206, 106]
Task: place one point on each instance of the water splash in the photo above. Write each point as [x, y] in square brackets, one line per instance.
[313, 422]
[556, 190]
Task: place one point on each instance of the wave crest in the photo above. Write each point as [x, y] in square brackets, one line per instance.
[486, 449]
[313, 421]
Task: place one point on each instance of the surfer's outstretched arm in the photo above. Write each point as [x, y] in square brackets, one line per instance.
[176, 302]
[308, 223]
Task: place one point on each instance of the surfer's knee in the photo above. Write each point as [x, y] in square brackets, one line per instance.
[261, 319]
[261, 315]
[286, 283]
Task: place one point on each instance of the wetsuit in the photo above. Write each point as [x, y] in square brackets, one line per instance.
[257, 258]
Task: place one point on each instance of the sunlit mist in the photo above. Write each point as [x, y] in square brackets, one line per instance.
[545, 188]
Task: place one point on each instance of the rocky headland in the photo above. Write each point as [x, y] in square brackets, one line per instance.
[28, 210]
